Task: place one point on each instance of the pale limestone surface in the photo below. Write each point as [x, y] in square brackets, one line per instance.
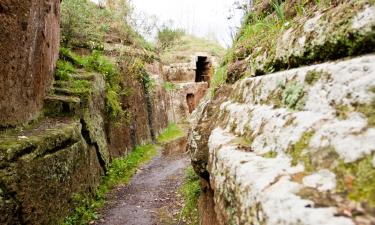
[253, 188]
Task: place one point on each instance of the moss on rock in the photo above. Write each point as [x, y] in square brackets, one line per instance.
[296, 150]
[357, 179]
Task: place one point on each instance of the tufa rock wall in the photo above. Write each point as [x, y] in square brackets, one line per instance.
[29, 43]
[297, 146]
[65, 153]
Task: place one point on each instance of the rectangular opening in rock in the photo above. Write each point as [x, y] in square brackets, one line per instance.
[190, 102]
[203, 69]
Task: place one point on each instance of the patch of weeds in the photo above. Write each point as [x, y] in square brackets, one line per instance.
[120, 172]
[63, 70]
[168, 86]
[191, 191]
[172, 132]
[81, 87]
[66, 54]
[218, 79]
[293, 96]
[279, 9]
[148, 82]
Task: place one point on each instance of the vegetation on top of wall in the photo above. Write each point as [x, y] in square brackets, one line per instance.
[259, 37]
[168, 37]
[85, 24]
[186, 46]
[120, 172]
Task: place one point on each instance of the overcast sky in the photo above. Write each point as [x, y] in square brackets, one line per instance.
[204, 18]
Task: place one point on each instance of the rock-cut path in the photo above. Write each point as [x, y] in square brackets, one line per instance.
[152, 196]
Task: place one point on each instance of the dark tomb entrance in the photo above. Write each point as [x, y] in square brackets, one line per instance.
[203, 69]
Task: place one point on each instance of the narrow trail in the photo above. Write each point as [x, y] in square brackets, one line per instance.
[152, 196]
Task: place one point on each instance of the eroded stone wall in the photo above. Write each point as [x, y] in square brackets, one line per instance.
[29, 43]
[294, 147]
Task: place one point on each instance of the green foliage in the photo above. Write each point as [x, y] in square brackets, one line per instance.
[168, 86]
[148, 82]
[83, 23]
[66, 54]
[97, 62]
[167, 37]
[120, 172]
[81, 86]
[172, 132]
[63, 70]
[279, 9]
[190, 191]
[218, 78]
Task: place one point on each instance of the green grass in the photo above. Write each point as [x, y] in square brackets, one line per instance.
[190, 192]
[120, 172]
[95, 62]
[168, 86]
[172, 132]
[218, 79]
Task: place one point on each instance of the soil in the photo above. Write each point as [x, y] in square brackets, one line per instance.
[152, 196]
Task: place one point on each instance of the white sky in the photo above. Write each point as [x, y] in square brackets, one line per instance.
[204, 18]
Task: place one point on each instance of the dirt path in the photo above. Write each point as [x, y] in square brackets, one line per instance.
[151, 198]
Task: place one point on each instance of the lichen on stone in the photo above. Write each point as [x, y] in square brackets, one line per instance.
[293, 96]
